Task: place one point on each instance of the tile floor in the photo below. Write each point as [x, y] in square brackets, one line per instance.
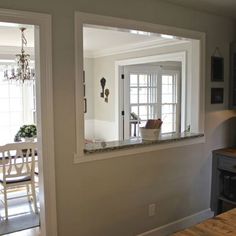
[28, 232]
[19, 209]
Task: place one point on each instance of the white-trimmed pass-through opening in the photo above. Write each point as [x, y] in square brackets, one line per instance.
[143, 43]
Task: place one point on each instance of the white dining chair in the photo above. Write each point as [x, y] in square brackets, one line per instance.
[18, 166]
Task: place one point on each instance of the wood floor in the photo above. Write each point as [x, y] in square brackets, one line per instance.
[27, 232]
[221, 225]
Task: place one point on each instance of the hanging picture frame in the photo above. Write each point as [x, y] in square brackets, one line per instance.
[217, 95]
[84, 91]
[217, 66]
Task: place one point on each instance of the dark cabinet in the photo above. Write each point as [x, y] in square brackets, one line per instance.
[223, 188]
[232, 86]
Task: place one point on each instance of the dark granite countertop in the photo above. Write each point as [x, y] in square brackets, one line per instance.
[99, 147]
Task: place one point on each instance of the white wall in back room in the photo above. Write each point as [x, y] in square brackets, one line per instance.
[100, 130]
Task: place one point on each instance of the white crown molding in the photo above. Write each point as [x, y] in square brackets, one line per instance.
[133, 47]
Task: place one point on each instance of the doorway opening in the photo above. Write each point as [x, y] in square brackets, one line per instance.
[19, 207]
[43, 98]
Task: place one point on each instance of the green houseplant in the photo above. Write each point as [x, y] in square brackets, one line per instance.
[26, 132]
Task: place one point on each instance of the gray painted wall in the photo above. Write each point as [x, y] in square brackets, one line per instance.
[105, 67]
[110, 197]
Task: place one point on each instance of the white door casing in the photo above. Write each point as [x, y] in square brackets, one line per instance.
[44, 106]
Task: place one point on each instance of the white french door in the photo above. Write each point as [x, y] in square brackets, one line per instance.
[150, 92]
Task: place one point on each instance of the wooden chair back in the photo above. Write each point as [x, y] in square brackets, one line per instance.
[18, 160]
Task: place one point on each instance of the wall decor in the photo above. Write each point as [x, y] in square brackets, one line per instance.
[217, 66]
[217, 69]
[217, 95]
[105, 92]
[103, 84]
[232, 80]
[85, 99]
[85, 105]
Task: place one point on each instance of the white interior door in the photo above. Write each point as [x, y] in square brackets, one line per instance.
[150, 92]
[141, 96]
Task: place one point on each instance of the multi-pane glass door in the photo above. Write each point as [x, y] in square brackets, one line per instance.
[150, 93]
[143, 100]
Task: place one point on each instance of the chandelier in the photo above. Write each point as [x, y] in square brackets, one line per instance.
[22, 72]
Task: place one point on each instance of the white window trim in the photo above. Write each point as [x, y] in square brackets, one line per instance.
[180, 117]
[176, 56]
[93, 19]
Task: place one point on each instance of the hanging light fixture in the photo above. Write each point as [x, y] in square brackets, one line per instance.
[23, 72]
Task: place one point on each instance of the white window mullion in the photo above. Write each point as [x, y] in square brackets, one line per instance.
[159, 94]
[148, 95]
[174, 99]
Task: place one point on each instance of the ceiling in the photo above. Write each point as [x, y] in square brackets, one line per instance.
[108, 41]
[98, 38]
[11, 35]
[225, 8]
[10, 40]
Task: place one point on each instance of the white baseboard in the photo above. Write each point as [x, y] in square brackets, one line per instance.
[179, 224]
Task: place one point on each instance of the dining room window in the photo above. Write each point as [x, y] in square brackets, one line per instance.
[16, 107]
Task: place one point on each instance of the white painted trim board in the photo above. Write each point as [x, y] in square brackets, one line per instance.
[179, 224]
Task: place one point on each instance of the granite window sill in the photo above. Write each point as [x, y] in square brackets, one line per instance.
[106, 150]
[99, 147]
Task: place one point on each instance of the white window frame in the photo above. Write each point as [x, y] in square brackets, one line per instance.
[26, 112]
[179, 116]
[25, 92]
[147, 69]
[180, 56]
[198, 101]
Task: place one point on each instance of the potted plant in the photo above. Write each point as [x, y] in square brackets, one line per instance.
[27, 132]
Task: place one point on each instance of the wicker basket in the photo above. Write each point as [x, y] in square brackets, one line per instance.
[149, 134]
